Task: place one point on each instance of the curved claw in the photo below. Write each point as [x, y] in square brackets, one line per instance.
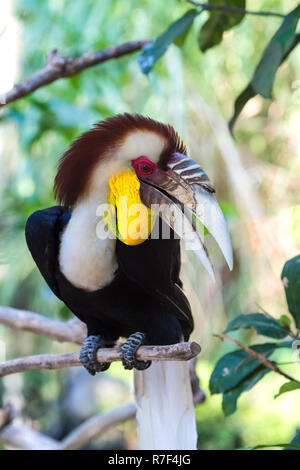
[128, 351]
[88, 355]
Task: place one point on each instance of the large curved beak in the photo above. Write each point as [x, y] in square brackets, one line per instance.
[182, 195]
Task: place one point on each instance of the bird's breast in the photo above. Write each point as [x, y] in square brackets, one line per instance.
[87, 261]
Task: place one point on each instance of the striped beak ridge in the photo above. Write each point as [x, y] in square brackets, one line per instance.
[183, 196]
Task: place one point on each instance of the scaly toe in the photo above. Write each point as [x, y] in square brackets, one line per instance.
[88, 355]
[128, 351]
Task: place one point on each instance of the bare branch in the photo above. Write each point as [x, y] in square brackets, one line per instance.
[97, 425]
[21, 436]
[174, 352]
[42, 361]
[62, 67]
[73, 331]
[228, 9]
[262, 359]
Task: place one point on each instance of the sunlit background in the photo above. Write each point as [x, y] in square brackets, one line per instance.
[256, 175]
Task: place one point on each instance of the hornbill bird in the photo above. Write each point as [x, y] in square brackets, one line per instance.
[111, 251]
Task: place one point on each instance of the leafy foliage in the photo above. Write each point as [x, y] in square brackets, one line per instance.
[229, 403]
[236, 366]
[175, 33]
[295, 441]
[274, 54]
[291, 281]
[288, 387]
[238, 371]
[211, 33]
[263, 324]
[285, 322]
[278, 49]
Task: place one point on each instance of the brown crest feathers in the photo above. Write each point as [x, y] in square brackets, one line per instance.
[78, 162]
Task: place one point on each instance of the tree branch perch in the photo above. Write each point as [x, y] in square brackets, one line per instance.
[174, 352]
[96, 425]
[19, 435]
[73, 331]
[62, 67]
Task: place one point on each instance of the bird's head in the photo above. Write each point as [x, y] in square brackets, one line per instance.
[141, 168]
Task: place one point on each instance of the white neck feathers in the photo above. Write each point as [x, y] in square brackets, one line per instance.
[85, 260]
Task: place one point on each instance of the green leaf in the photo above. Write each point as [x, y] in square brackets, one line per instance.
[211, 33]
[281, 45]
[263, 324]
[295, 441]
[230, 397]
[288, 387]
[152, 52]
[285, 322]
[239, 104]
[180, 40]
[291, 280]
[276, 50]
[236, 366]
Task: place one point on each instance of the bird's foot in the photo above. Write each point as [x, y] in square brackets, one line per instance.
[128, 351]
[88, 355]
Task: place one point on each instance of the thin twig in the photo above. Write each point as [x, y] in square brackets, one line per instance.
[96, 425]
[62, 67]
[73, 331]
[23, 436]
[228, 9]
[19, 435]
[262, 359]
[174, 352]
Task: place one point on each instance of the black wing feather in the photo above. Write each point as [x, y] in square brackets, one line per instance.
[42, 236]
[155, 266]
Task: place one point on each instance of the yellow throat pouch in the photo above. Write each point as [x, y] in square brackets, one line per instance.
[128, 218]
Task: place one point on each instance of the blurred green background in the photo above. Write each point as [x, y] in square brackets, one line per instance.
[256, 177]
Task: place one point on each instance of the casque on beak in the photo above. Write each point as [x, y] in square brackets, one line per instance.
[183, 195]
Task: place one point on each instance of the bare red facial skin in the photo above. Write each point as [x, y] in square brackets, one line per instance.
[143, 166]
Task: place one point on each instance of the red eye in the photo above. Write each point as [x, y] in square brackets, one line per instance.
[143, 166]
